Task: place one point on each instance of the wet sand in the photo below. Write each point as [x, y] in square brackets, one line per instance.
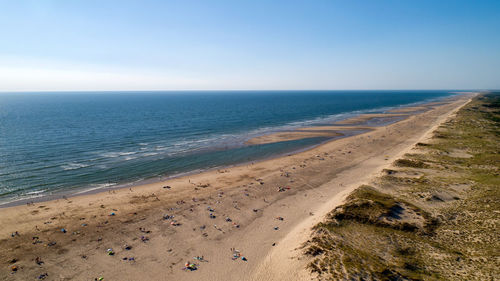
[410, 109]
[356, 125]
[365, 118]
[263, 209]
[288, 136]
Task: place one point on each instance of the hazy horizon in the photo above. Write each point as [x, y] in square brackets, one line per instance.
[223, 45]
[245, 90]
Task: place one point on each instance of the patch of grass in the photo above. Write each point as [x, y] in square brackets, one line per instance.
[410, 163]
[422, 144]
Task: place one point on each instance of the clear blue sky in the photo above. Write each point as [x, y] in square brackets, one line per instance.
[210, 44]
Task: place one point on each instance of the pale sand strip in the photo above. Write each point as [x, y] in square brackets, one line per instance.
[321, 178]
[288, 136]
[366, 117]
[335, 128]
[409, 109]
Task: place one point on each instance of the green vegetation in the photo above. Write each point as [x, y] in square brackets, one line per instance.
[434, 216]
[410, 163]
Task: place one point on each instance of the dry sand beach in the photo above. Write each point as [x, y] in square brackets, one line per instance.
[247, 222]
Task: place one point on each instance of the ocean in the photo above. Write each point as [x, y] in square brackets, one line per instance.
[63, 143]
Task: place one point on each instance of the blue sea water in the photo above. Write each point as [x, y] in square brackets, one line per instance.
[53, 142]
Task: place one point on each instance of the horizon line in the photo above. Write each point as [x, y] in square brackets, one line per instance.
[235, 90]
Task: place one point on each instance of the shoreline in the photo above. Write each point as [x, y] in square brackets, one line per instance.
[360, 121]
[247, 194]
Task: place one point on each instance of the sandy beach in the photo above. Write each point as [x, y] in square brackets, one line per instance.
[257, 213]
